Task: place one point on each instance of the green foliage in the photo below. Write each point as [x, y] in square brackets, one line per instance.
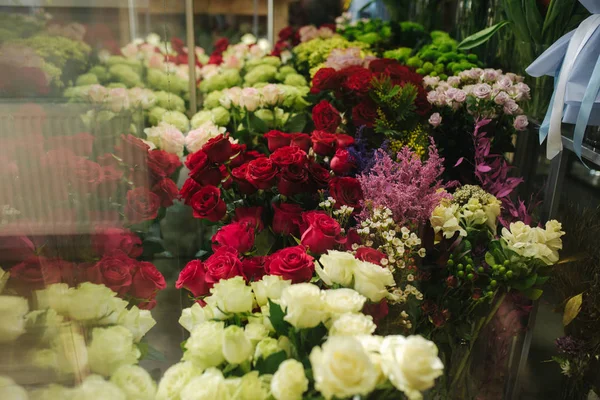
[126, 75]
[314, 52]
[396, 105]
[479, 38]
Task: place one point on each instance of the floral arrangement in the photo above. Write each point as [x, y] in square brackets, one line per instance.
[311, 54]
[84, 335]
[304, 343]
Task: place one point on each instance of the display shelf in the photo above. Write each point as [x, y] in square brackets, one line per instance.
[76, 3]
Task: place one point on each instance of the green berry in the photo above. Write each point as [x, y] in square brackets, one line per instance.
[421, 71]
[470, 277]
[494, 283]
[506, 263]
[450, 262]
[502, 270]
[443, 77]
[509, 274]
[472, 57]
[480, 270]
[460, 267]
[490, 293]
[469, 268]
[460, 274]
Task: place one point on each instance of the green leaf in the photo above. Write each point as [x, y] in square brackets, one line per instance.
[200, 253]
[153, 245]
[296, 123]
[313, 337]
[155, 355]
[264, 242]
[479, 38]
[534, 20]
[572, 309]
[276, 315]
[525, 284]
[533, 294]
[258, 125]
[541, 280]
[489, 259]
[271, 363]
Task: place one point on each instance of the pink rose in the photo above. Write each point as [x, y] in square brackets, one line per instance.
[435, 120]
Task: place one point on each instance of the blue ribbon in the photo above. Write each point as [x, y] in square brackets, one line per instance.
[545, 126]
[587, 104]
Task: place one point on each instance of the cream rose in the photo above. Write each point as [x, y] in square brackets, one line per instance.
[135, 382]
[342, 368]
[352, 324]
[94, 387]
[304, 305]
[139, 322]
[256, 332]
[55, 296]
[289, 382]
[9, 390]
[166, 137]
[411, 364]
[194, 316]
[250, 99]
[338, 267]
[12, 317]
[272, 95]
[269, 287]
[205, 345]
[233, 295]
[341, 301]
[118, 99]
[249, 387]
[372, 281]
[266, 347]
[110, 349]
[175, 379]
[91, 302]
[198, 137]
[444, 221]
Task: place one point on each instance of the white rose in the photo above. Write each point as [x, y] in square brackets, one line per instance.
[209, 70]
[139, 322]
[338, 267]
[117, 307]
[111, 348]
[444, 220]
[341, 301]
[372, 345]
[118, 99]
[97, 94]
[249, 387]
[272, 95]
[372, 281]
[94, 387]
[453, 81]
[435, 120]
[130, 50]
[91, 302]
[194, 316]
[135, 382]
[256, 332]
[237, 348]
[55, 296]
[411, 364]
[47, 321]
[352, 324]
[342, 368]
[269, 287]
[520, 239]
[143, 98]
[308, 32]
[266, 347]
[431, 81]
[250, 99]
[12, 317]
[9, 390]
[482, 91]
[198, 137]
[233, 295]
[51, 392]
[289, 382]
[69, 353]
[166, 137]
[175, 379]
[304, 305]
[210, 385]
[205, 345]
[231, 97]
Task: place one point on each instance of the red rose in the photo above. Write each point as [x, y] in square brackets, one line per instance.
[325, 79]
[207, 203]
[346, 192]
[111, 177]
[293, 179]
[237, 235]
[357, 79]
[324, 143]
[166, 190]
[86, 175]
[342, 163]
[147, 305]
[379, 65]
[14, 247]
[319, 176]
[215, 59]
[326, 117]
[201, 169]
[115, 272]
[80, 144]
[223, 264]
[226, 179]
[162, 164]
[352, 237]
[301, 140]
[286, 33]
[109, 240]
[238, 151]
[177, 44]
[218, 149]
[277, 139]
[344, 140]
[106, 160]
[132, 150]
[288, 155]
[239, 175]
[422, 105]
[253, 155]
[261, 173]
[369, 254]
[190, 188]
[221, 45]
[320, 232]
[287, 218]
[377, 310]
[142, 205]
[364, 114]
[147, 280]
[251, 216]
[291, 263]
[35, 273]
[139, 177]
[253, 268]
[193, 278]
